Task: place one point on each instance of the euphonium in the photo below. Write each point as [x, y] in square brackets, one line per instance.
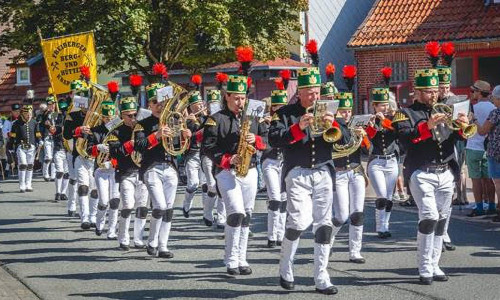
[102, 158]
[468, 130]
[174, 117]
[319, 127]
[349, 148]
[245, 150]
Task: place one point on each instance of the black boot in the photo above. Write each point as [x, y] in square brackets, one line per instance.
[328, 291]
[449, 246]
[93, 225]
[165, 254]
[245, 270]
[233, 271]
[426, 280]
[124, 247]
[440, 278]
[185, 213]
[71, 213]
[151, 250]
[271, 244]
[58, 197]
[208, 223]
[98, 232]
[287, 285]
[64, 197]
[85, 226]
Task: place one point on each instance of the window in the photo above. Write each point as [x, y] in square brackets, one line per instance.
[488, 69]
[23, 76]
[462, 72]
[399, 71]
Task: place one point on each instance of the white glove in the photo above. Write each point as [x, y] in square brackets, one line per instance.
[40, 143]
[103, 148]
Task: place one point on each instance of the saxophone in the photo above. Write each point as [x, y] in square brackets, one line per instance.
[245, 150]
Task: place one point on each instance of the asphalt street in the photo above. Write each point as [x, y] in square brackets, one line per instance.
[49, 253]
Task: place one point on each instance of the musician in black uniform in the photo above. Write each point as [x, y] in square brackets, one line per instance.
[307, 171]
[23, 138]
[47, 129]
[158, 172]
[133, 191]
[220, 142]
[430, 167]
[60, 161]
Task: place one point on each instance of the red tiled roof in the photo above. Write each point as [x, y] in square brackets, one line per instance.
[11, 93]
[415, 21]
[277, 63]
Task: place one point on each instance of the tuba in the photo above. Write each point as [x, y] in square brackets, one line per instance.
[174, 117]
[468, 130]
[349, 148]
[92, 118]
[103, 158]
[330, 134]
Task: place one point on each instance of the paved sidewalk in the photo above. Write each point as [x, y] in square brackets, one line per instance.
[12, 289]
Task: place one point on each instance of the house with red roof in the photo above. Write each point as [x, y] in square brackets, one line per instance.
[395, 32]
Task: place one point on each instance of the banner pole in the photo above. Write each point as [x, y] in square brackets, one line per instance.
[48, 72]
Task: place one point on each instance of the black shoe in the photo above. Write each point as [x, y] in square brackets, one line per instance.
[29, 190]
[98, 232]
[233, 271]
[124, 247]
[47, 179]
[71, 213]
[139, 246]
[449, 246]
[278, 243]
[426, 280]
[287, 285]
[165, 254]
[208, 223]
[220, 227]
[185, 213]
[245, 270]
[64, 197]
[476, 213]
[441, 278]
[93, 225]
[52, 179]
[150, 250]
[387, 234]
[271, 244]
[85, 226]
[382, 235]
[250, 233]
[22, 191]
[357, 260]
[58, 197]
[328, 291]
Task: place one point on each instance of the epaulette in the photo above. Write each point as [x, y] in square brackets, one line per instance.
[210, 122]
[399, 116]
[138, 127]
[112, 138]
[275, 117]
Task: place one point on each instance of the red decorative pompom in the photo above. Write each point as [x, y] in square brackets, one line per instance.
[330, 69]
[432, 49]
[249, 82]
[159, 69]
[221, 77]
[312, 47]
[280, 85]
[349, 71]
[113, 87]
[386, 72]
[196, 79]
[285, 74]
[85, 72]
[244, 54]
[135, 80]
[448, 48]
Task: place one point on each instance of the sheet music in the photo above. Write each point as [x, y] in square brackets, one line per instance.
[359, 120]
[164, 93]
[214, 107]
[80, 102]
[111, 124]
[255, 108]
[461, 107]
[330, 106]
[143, 113]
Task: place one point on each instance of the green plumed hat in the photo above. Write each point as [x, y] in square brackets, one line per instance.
[151, 90]
[444, 74]
[380, 95]
[108, 108]
[50, 99]
[279, 97]
[426, 78]
[128, 104]
[77, 84]
[328, 89]
[308, 77]
[214, 96]
[237, 84]
[195, 97]
[345, 100]
[62, 104]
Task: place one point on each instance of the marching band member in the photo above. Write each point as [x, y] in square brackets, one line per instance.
[307, 172]
[60, 161]
[24, 137]
[350, 182]
[221, 143]
[48, 129]
[328, 89]
[104, 172]
[132, 190]
[430, 167]
[83, 167]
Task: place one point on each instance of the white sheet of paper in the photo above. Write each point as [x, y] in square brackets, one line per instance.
[359, 120]
[164, 93]
[214, 107]
[461, 107]
[80, 102]
[256, 108]
[111, 124]
[143, 114]
[331, 105]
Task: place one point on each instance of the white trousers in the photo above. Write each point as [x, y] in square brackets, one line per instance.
[73, 183]
[238, 194]
[86, 185]
[48, 168]
[276, 208]
[348, 204]
[109, 199]
[383, 174]
[212, 196]
[433, 194]
[62, 172]
[134, 194]
[195, 177]
[25, 160]
[161, 181]
[310, 196]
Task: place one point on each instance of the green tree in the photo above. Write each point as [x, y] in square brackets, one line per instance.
[191, 33]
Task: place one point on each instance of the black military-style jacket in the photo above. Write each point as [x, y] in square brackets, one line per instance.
[222, 135]
[24, 134]
[121, 150]
[47, 116]
[300, 148]
[95, 138]
[383, 139]
[425, 147]
[58, 135]
[149, 146]
[70, 129]
[271, 152]
[197, 137]
[354, 159]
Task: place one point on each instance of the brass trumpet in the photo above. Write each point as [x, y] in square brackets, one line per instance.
[319, 127]
[468, 130]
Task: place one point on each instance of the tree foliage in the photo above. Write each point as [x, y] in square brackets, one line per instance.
[189, 33]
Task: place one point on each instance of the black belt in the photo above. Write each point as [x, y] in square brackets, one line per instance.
[387, 157]
[435, 168]
[347, 168]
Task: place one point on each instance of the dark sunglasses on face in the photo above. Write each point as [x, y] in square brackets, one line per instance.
[131, 115]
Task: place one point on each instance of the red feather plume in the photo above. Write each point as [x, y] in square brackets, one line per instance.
[312, 47]
[386, 72]
[85, 72]
[113, 87]
[349, 71]
[432, 49]
[330, 69]
[196, 79]
[159, 69]
[249, 82]
[280, 85]
[135, 80]
[221, 77]
[448, 48]
[244, 54]
[285, 74]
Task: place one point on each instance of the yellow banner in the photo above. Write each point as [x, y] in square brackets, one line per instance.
[65, 55]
